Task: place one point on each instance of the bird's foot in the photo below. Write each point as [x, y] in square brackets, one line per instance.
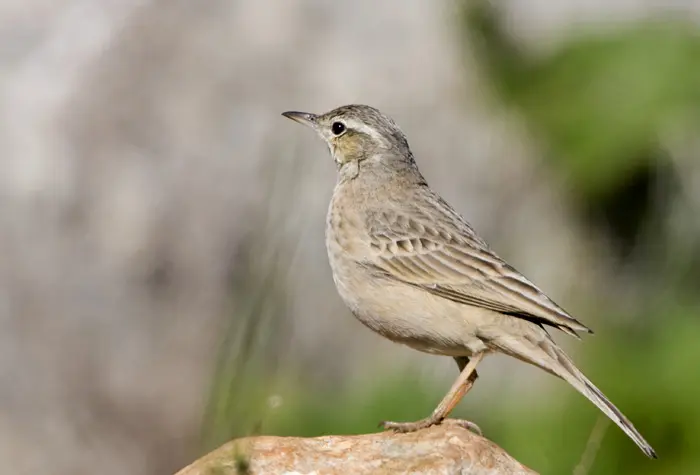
[403, 427]
[409, 426]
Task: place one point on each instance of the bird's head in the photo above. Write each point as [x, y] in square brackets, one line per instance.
[356, 133]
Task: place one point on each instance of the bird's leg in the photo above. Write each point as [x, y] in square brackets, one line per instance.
[461, 386]
[462, 362]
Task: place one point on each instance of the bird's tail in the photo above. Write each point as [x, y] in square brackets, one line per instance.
[539, 349]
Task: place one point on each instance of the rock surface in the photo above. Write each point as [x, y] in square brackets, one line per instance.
[444, 449]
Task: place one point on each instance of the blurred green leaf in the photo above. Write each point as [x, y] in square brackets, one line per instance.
[602, 98]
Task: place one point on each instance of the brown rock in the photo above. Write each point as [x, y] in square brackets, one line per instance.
[444, 449]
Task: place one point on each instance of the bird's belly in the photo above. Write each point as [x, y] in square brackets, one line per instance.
[411, 316]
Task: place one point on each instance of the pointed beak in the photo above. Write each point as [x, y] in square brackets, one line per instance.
[305, 118]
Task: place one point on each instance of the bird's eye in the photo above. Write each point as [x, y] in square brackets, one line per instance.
[338, 128]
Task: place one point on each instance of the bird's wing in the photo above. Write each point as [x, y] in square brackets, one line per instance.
[435, 249]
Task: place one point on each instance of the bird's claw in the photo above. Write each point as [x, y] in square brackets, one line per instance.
[403, 427]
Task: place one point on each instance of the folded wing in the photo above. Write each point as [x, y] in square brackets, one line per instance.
[436, 250]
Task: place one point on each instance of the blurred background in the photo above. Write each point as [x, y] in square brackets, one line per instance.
[164, 285]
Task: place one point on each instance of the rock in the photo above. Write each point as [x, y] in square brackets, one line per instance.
[443, 449]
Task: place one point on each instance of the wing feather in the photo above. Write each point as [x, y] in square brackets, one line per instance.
[437, 250]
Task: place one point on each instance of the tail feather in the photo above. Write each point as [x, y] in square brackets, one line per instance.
[543, 352]
[595, 395]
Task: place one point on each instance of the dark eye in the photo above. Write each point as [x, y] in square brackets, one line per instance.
[338, 128]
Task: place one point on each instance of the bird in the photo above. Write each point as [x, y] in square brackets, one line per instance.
[412, 269]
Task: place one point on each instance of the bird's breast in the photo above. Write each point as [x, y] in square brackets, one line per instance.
[347, 243]
[346, 232]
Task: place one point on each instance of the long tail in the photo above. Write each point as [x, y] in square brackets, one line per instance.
[539, 349]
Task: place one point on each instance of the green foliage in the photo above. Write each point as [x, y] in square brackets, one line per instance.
[602, 99]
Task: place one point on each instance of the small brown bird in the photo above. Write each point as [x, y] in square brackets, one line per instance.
[412, 269]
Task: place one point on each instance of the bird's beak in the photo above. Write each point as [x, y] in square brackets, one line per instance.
[305, 118]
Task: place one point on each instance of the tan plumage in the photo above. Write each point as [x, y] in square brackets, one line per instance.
[412, 269]
[429, 245]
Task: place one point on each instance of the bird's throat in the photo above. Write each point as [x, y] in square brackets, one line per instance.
[348, 170]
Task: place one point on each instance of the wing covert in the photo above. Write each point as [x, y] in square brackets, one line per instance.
[454, 263]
